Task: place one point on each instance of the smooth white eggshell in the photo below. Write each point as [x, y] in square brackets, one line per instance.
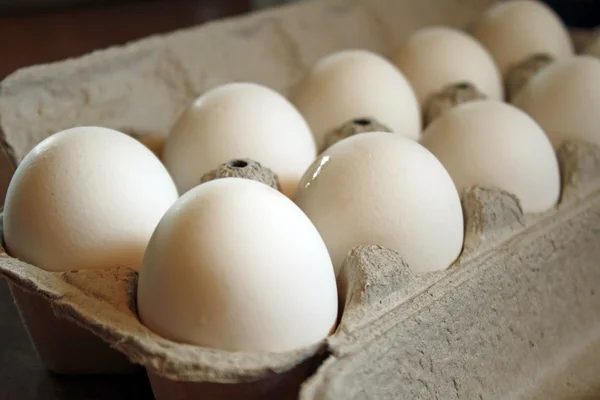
[357, 84]
[435, 57]
[514, 30]
[493, 144]
[236, 265]
[86, 198]
[564, 99]
[239, 120]
[384, 189]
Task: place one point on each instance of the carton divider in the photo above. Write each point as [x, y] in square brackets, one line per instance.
[580, 168]
[284, 386]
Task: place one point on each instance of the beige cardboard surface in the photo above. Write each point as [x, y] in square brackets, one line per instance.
[517, 308]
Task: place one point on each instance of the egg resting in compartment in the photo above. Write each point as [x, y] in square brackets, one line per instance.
[515, 30]
[435, 57]
[86, 198]
[384, 189]
[236, 265]
[354, 84]
[239, 120]
[564, 99]
[493, 144]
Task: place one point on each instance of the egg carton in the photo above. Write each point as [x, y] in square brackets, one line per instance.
[516, 316]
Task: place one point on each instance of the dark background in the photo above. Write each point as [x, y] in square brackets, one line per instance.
[32, 35]
[39, 31]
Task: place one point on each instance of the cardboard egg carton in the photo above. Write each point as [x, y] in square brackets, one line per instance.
[516, 316]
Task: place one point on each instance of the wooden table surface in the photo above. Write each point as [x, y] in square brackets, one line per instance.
[27, 39]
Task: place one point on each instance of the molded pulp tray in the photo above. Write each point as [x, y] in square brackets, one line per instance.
[517, 316]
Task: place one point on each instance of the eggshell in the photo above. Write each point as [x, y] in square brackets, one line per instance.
[493, 144]
[239, 120]
[388, 190]
[564, 99]
[433, 58]
[514, 30]
[86, 198]
[236, 265]
[355, 84]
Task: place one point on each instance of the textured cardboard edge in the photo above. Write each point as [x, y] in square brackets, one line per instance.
[284, 386]
[580, 166]
[62, 346]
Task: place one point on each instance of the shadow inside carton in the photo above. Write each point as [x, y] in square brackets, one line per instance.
[62, 387]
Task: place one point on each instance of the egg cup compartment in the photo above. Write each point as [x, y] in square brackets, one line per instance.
[515, 316]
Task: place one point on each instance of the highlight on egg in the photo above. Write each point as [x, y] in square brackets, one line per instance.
[565, 100]
[433, 58]
[388, 190]
[239, 120]
[356, 84]
[85, 198]
[236, 265]
[493, 144]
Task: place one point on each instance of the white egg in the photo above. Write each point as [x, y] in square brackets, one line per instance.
[239, 120]
[388, 190]
[357, 84]
[236, 265]
[564, 99]
[515, 30]
[436, 57]
[86, 198]
[493, 144]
